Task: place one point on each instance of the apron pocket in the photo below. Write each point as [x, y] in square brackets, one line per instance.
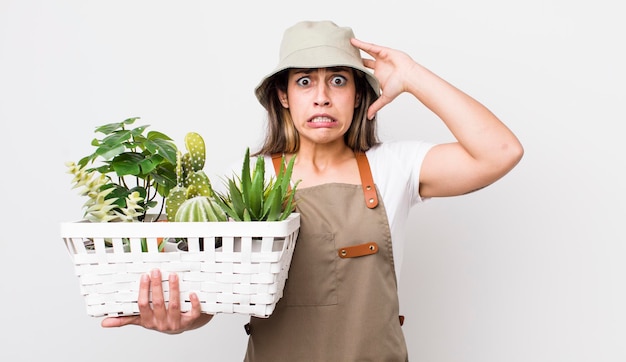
[312, 278]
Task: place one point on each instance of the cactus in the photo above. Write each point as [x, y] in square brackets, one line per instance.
[197, 150]
[200, 208]
[178, 194]
[191, 181]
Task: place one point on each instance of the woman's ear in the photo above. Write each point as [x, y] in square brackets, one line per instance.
[357, 100]
[282, 97]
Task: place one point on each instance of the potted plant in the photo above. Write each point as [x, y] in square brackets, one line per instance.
[251, 197]
[253, 223]
[191, 200]
[126, 173]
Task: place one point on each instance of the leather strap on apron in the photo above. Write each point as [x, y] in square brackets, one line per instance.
[340, 300]
[367, 182]
[277, 161]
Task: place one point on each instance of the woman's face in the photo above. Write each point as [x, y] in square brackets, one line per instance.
[321, 103]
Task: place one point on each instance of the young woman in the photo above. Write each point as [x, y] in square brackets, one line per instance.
[340, 301]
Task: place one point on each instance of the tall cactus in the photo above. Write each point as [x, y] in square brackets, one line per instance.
[191, 181]
[178, 194]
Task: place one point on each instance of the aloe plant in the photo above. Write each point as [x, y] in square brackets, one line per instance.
[250, 197]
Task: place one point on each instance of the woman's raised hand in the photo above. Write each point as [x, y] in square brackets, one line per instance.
[392, 69]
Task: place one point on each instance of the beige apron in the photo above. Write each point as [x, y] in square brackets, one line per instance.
[340, 301]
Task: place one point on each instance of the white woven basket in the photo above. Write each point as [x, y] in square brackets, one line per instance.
[246, 275]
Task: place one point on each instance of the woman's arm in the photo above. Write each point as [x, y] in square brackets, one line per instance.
[485, 149]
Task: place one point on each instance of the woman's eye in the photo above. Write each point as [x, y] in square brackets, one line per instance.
[338, 80]
[304, 81]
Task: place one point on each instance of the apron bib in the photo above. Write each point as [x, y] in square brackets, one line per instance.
[340, 301]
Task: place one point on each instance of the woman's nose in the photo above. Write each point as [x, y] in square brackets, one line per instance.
[322, 98]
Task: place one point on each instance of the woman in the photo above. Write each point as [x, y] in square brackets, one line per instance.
[340, 301]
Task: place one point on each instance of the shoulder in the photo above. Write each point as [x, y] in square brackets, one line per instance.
[396, 169]
[394, 154]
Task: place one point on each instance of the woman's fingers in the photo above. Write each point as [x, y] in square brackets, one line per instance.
[195, 306]
[173, 306]
[113, 322]
[143, 300]
[157, 314]
[369, 63]
[369, 48]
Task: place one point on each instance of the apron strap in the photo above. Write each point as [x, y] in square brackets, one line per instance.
[367, 182]
[277, 159]
[248, 328]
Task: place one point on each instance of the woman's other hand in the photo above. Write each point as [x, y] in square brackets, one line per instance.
[157, 315]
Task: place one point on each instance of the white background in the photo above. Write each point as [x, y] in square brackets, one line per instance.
[529, 269]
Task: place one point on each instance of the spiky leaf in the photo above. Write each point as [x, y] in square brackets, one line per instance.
[251, 197]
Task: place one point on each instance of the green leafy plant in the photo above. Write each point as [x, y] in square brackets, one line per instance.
[126, 173]
[250, 197]
[131, 167]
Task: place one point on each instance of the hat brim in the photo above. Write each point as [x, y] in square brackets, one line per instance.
[315, 57]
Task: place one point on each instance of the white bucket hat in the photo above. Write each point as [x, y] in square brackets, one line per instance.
[316, 44]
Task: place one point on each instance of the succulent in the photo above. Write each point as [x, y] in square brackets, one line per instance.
[130, 168]
[193, 187]
[100, 208]
[97, 207]
[200, 208]
[250, 197]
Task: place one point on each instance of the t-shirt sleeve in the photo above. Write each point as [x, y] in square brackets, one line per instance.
[397, 166]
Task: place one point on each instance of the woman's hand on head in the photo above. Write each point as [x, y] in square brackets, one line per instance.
[391, 67]
[158, 315]
[485, 149]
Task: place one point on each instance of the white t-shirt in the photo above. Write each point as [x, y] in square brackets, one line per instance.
[396, 169]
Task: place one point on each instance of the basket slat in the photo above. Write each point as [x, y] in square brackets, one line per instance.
[245, 275]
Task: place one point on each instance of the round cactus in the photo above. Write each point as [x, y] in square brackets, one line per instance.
[191, 181]
[199, 209]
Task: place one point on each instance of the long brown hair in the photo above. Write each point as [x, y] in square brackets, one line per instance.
[281, 135]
